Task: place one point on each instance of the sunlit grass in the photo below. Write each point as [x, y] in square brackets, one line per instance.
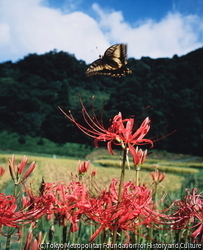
[61, 169]
[52, 169]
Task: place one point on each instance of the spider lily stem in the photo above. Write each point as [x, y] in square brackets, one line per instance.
[120, 187]
[137, 171]
[122, 174]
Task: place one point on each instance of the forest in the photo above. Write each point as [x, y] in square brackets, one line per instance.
[168, 90]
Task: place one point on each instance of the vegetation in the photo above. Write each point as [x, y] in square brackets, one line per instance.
[60, 169]
[32, 89]
[11, 142]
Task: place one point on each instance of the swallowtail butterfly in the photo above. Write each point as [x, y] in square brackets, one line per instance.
[111, 63]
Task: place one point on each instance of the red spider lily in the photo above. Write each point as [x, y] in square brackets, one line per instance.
[83, 167]
[190, 214]
[32, 243]
[121, 131]
[25, 201]
[22, 164]
[28, 240]
[17, 172]
[66, 202]
[2, 171]
[12, 217]
[29, 171]
[139, 156]
[125, 134]
[93, 172]
[135, 209]
[157, 176]
[8, 214]
[35, 245]
[186, 208]
[7, 210]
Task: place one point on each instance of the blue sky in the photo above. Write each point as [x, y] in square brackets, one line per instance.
[154, 28]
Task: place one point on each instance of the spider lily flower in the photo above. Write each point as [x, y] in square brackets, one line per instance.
[12, 168]
[31, 242]
[66, 202]
[93, 172]
[28, 240]
[7, 210]
[157, 176]
[83, 167]
[35, 245]
[139, 155]
[25, 201]
[121, 131]
[135, 209]
[29, 171]
[8, 214]
[22, 164]
[12, 216]
[17, 171]
[190, 214]
[2, 171]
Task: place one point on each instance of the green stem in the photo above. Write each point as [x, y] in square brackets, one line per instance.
[64, 234]
[15, 191]
[23, 235]
[103, 236]
[155, 193]
[8, 241]
[137, 170]
[69, 233]
[151, 229]
[120, 187]
[122, 175]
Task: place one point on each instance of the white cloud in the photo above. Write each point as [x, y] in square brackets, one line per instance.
[26, 26]
[4, 33]
[71, 5]
[174, 34]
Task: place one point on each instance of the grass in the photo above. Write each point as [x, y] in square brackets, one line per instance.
[107, 167]
[52, 169]
[11, 142]
[150, 167]
[167, 162]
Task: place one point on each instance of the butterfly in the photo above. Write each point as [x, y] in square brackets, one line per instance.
[111, 63]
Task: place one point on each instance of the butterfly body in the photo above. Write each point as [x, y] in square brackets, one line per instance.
[111, 63]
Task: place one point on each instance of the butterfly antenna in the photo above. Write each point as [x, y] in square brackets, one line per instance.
[96, 52]
[93, 51]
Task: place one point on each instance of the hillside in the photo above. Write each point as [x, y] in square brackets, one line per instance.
[32, 89]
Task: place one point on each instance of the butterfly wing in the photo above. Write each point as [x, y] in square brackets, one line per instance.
[112, 63]
[95, 68]
[123, 71]
[116, 55]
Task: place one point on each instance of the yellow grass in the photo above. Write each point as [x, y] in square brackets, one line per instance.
[55, 170]
[150, 167]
